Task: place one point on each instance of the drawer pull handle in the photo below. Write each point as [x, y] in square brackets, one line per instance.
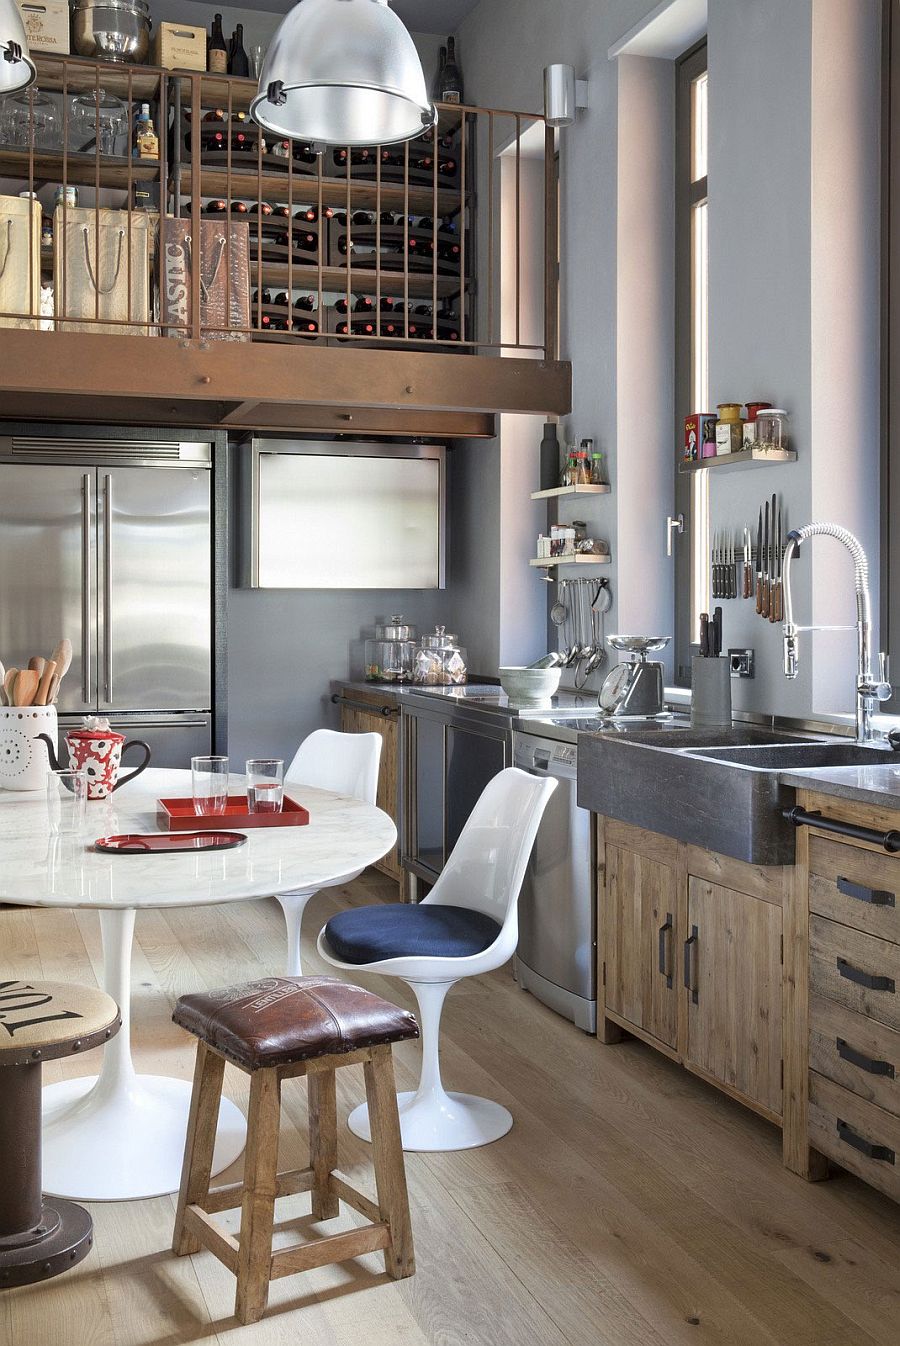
[870, 980]
[665, 949]
[690, 964]
[877, 897]
[867, 1063]
[848, 1136]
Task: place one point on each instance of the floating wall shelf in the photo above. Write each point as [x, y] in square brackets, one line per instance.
[570, 490]
[743, 458]
[581, 559]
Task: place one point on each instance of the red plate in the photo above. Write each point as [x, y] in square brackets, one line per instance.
[177, 815]
[137, 843]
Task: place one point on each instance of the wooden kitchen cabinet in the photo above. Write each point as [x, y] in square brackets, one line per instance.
[362, 712]
[690, 945]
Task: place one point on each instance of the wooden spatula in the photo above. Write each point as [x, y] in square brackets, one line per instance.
[25, 687]
[42, 698]
[62, 656]
[8, 684]
[36, 664]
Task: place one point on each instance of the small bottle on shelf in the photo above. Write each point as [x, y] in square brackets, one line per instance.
[146, 141]
[217, 51]
[598, 475]
[238, 61]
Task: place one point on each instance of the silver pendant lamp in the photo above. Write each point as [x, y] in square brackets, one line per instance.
[16, 66]
[342, 72]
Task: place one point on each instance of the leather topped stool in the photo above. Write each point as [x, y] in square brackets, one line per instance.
[40, 1021]
[276, 1029]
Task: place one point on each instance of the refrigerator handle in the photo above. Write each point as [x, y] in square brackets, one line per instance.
[107, 585]
[86, 588]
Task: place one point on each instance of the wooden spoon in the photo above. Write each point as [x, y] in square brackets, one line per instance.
[2, 681]
[54, 688]
[8, 684]
[36, 664]
[62, 656]
[43, 692]
[25, 687]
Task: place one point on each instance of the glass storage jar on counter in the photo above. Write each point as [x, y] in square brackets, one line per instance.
[771, 429]
[440, 660]
[389, 656]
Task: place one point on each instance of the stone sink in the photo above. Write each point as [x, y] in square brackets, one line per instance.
[719, 789]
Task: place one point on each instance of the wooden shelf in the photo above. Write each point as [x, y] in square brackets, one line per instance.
[571, 490]
[84, 76]
[81, 169]
[745, 457]
[362, 281]
[305, 191]
[579, 559]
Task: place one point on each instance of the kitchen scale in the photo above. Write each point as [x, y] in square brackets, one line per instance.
[634, 689]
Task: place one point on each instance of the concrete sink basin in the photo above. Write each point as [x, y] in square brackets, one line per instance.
[719, 790]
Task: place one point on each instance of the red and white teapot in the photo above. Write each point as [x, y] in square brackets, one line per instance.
[97, 749]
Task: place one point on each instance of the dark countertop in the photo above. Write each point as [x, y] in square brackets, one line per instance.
[876, 785]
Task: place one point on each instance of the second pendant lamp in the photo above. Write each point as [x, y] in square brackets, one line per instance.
[16, 66]
[343, 72]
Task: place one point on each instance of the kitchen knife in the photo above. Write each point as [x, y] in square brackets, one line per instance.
[729, 570]
[772, 559]
[747, 587]
[776, 613]
[759, 563]
[766, 591]
[716, 639]
[704, 635]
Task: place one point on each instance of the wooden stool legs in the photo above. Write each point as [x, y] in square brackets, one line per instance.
[250, 1257]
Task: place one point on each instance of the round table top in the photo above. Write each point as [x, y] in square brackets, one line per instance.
[342, 837]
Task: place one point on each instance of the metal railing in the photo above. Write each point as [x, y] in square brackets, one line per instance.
[232, 234]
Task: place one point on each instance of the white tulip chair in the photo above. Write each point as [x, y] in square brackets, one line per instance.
[346, 764]
[467, 925]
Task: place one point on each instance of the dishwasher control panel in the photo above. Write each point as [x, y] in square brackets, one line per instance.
[543, 754]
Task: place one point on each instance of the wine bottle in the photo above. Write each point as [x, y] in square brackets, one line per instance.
[239, 62]
[451, 78]
[305, 302]
[439, 74]
[217, 52]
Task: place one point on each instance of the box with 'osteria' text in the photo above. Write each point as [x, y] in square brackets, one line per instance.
[179, 46]
[46, 25]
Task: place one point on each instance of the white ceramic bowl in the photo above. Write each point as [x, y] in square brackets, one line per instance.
[529, 686]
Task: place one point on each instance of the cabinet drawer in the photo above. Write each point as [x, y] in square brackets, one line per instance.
[857, 970]
[859, 1053]
[855, 1134]
[856, 887]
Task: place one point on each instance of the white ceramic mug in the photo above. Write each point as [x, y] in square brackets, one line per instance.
[24, 762]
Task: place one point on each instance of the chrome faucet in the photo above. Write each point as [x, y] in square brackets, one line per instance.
[869, 690]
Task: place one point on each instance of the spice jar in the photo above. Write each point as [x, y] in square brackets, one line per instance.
[440, 660]
[389, 657]
[770, 429]
[729, 430]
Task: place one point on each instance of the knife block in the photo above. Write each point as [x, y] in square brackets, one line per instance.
[710, 693]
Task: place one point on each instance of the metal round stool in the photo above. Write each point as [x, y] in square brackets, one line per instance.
[40, 1021]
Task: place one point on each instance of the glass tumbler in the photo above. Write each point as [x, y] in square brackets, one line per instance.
[265, 784]
[209, 784]
[66, 801]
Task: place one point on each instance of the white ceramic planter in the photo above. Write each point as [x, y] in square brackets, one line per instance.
[24, 763]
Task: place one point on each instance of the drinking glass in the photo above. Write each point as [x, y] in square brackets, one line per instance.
[257, 56]
[66, 801]
[265, 784]
[209, 784]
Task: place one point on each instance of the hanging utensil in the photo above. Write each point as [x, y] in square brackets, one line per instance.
[558, 611]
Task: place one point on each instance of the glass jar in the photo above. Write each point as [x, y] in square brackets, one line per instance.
[389, 656]
[771, 429]
[100, 117]
[728, 411]
[32, 117]
[440, 660]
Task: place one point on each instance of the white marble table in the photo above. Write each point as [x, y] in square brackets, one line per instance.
[120, 1136]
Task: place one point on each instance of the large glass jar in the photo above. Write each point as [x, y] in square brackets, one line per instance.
[440, 660]
[771, 429]
[389, 657]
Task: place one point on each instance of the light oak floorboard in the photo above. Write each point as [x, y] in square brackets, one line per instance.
[631, 1205]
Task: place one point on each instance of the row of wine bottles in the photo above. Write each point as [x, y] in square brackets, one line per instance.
[226, 58]
[359, 219]
[396, 319]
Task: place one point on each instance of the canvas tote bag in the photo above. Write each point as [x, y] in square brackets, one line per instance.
[101, 270]
[224, 262]
[20, 261]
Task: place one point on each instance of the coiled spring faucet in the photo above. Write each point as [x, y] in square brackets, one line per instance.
[869, 690]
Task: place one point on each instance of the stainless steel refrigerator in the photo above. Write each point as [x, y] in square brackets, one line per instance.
[109, 542]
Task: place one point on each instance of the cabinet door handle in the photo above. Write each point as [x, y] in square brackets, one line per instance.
[665, 949]
[870, 980]
[877, 897]
[867, 1063]
[690, 963]
[848, 1136]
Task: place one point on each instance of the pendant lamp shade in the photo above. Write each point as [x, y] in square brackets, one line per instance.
[343, 72]
[16, 66]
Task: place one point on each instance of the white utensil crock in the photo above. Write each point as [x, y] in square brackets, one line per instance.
[24, 763]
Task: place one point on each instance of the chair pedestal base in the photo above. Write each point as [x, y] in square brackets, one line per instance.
[440, 1121]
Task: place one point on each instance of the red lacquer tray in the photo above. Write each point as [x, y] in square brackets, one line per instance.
[177, 815]
[139, 843]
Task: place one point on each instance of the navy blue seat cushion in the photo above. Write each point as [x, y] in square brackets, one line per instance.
[399, 930]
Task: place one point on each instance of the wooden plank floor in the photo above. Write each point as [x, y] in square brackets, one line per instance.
[631, 1205]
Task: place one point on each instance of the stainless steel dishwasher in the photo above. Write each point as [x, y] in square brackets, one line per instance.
[557, 955]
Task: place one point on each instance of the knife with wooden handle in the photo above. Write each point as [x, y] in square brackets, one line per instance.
[766, 584]
[777, 612]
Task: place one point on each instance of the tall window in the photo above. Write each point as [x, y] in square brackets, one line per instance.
[691, 348]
